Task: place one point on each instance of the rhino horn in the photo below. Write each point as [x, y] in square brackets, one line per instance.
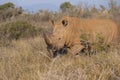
[47, 39]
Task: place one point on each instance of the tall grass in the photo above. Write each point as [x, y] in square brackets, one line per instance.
[27, 59]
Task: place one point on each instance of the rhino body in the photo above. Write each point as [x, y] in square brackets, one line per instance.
[73, 32]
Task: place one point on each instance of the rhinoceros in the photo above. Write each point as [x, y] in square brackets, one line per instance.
[72, 32]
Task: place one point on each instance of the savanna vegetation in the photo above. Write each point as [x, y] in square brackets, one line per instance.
[23, 53]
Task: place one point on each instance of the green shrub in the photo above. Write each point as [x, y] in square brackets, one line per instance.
[8, 10]
[84, 37]
[7, 6]
[98, 45]
[17, 30]
[66, 6]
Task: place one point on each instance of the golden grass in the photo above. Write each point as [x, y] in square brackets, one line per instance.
[27, 59]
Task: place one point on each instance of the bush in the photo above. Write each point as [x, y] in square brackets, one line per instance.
[97, 45]
[17, 30]
[8, 10]
[7, 6]
[66, 6]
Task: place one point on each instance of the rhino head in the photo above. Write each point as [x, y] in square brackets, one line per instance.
[56, 41]
[52, 49]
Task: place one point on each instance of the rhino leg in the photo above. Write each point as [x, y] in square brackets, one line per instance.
[88, 48]
[75, 50]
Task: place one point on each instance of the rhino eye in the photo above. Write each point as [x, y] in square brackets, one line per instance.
[59, 38]
[65, 22]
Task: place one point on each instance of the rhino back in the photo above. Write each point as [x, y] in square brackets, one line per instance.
[93, 28]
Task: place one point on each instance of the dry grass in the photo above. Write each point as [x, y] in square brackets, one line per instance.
[27, 59]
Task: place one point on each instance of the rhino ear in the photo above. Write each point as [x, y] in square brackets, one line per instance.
[64, 22]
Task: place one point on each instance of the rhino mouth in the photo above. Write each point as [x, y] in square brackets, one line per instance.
[55, 52]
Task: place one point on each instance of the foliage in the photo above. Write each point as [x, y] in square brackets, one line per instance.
[113, 7]
[99, 43]
[26, 58]
[89, 12]
[6, 6]
[94, 9]
[8, 10]
[16, 30]
[46, 16]
[102, 8]
[84, 36]
[66, 6]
